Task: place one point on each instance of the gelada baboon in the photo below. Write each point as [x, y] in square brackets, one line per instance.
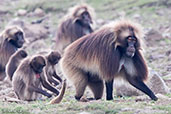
[11, 39]
[108, 53]
[14, 61]
[76, 24]
[28, 78]
[52, 59]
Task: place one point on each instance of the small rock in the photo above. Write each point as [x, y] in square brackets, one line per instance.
[36, 46]
[36, 31]
[3, 12]
[121, 14]
[142, 98]
[17, 21]
[137, 16]
[161, 96]
[39, 12]
[21, 12]
[100, 21]
[153, 36]
[155, 83]
[166, 35]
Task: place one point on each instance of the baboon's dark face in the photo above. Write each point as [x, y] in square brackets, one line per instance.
[54, 58]
[130, 50]
[17, 39]
[85, 19]
[128, 42]
[23, 53]
[38, 64]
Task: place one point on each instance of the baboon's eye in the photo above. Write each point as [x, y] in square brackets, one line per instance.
[131, 39]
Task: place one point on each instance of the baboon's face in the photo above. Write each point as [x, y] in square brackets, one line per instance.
[130, 50]
[54, 58]
[128, 42]
[23, 53]
[84, 19]
[38, 63]
[17, 39]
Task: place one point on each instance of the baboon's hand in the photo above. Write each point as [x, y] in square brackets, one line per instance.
[56, 83]
[48, 95]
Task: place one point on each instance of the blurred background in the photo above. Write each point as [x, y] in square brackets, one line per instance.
[40, 18]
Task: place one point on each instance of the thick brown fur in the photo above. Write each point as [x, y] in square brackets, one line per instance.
[100, 56]
[14, 61]
[59, 98]
[52, 59]
[70, 29]
[27, 79]
[9, 45]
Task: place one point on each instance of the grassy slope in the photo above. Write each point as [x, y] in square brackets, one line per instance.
[105, 9]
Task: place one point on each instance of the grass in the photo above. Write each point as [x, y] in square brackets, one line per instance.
[118, 106]
[165, 108]
[168, 41]
[14, 110]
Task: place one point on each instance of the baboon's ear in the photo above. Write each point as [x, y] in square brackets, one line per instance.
[9, 39]
[7, 36]
[114, 42]
[138, 44]
[77, 19]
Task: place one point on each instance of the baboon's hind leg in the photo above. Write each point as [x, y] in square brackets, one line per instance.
[97, 88]
[80, 84]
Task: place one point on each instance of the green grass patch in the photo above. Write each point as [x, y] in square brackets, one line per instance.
[102, 107]
[15, 110]
[163, 107]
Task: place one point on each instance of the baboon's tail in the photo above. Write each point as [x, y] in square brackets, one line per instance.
[59, 98]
